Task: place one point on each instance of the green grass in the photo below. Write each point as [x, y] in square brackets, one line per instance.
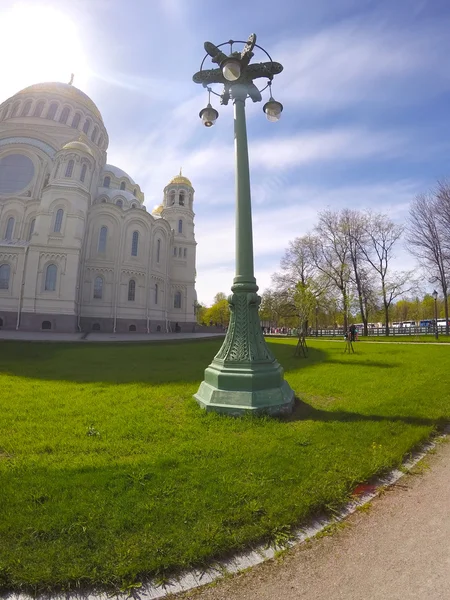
[110, 472]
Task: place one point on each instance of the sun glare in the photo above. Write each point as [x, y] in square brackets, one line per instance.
[43, 45]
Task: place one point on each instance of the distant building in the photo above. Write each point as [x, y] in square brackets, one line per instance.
[78, 250]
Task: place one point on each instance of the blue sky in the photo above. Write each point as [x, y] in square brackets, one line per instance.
[365, 88]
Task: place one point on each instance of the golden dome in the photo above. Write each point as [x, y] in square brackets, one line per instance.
[181, 179]
[66, 90]
[78, 145]
[158, 210]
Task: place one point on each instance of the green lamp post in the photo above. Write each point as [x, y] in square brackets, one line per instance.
[244, 377]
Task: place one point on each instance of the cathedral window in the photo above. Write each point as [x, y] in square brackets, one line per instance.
[102, 239]
[172, 198]
[94, 134]
[177, 300]
[119, 203]
[31, 231]
[132, 328]
[158, 250]
[76, 121]
[134, 243]
[46, 325]
[69, 168]
[64, 115]
[179, 252]
[133, 205]
[185, 252]
[106, 182]
[100, 141]
[58, 220]
[96, 327]
[50, 278]
[181, 199]
[122, 185]
[175, 251]
[5, 272]
[26, 108]
[156, 293]
[86, 126]
[83, 172]
[180, 226]
[52, 110]
[134, 192]
[131, 290]
[15, 109]
[9, 228]
[98, 288]
[39, 108]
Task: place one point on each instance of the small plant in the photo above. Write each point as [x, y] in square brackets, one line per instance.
[91, 431]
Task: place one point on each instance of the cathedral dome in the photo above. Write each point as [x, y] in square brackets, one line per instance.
[66, 90]
[181, 179]
[119, 173]
[158, 209]
[78, 145]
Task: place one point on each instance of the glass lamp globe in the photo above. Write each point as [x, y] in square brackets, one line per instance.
[435, 294]
[231, 69]
[208, 115]
[273, 110]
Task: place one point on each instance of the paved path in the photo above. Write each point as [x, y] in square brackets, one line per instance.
[398, 550]
[48, 336]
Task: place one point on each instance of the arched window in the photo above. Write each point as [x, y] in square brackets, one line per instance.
[119, 203]
[86, 126]
[103, 200]
[64, 115]
[58, 220]
[158, 329]
[15, 109]
[50, 278]
[69, 168]
[134, 243]
[46, 325]
[9, 228]
[5, 272]
[100, 141]
[107, 182]
[76, 120]
[132, 328]
[94, 134]
[181, 198]
[1, 323]
[133, 205]
[26, 108]
[158, 250]
[134, 192]
[98, 287]
[96, 327]
[184, 253]
[38, 109]
[83, 172]
[175, 251]
[172, 198]
[177, 300]
[180, 226]
[31, 230]
[122, 185]
[156, 293]
[102, 239]
[131, 290]
[52, 110]
[179, 252]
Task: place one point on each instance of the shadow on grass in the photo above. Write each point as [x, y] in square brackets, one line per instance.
[305, 412]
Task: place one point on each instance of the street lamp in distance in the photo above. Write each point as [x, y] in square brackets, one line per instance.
[436, 332]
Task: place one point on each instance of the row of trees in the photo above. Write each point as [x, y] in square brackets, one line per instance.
[343, 269]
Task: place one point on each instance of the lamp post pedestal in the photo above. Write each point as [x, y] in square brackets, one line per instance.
[244, 376]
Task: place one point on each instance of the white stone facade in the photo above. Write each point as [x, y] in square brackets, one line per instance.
[78, 250]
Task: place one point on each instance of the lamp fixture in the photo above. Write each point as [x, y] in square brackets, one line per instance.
[208, 115]
[272, 107]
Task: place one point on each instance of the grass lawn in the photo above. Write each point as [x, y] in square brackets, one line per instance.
[110, 472]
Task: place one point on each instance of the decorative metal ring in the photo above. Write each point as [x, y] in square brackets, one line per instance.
[237, 42]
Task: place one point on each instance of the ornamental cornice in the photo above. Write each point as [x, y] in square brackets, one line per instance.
[100, 269]
[133, 272]
[8, 256]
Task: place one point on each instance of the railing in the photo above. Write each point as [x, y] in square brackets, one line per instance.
[372, 332]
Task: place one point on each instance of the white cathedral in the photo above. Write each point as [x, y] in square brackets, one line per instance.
[78, 250]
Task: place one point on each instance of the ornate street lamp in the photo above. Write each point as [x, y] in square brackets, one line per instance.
[244, 377]
[436, 332]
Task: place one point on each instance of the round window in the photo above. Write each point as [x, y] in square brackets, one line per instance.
[16, 172]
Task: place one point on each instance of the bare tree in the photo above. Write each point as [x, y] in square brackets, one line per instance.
[330, 252]
[426, 239]
[382, 236]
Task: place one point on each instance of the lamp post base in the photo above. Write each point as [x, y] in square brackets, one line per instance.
[244, 377]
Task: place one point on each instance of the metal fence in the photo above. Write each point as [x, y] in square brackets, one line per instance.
[381, 331]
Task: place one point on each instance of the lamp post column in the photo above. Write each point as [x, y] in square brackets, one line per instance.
[244, 278]
[436, 332]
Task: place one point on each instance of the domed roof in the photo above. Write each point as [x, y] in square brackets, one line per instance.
[118, 172]
[67, 90]
[181, 179]
[158, 209]
[78, 145]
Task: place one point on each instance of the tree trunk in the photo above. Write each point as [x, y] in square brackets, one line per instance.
[386, 316]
